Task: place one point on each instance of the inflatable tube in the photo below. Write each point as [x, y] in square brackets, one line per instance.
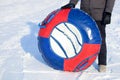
[69, 40]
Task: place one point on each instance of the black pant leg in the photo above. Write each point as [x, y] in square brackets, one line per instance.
[102, 57]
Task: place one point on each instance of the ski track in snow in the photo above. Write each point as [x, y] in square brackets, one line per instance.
[19, 55]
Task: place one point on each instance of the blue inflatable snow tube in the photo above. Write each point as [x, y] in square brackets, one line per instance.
[69, 40]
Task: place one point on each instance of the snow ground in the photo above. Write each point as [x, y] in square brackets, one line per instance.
[19, 55]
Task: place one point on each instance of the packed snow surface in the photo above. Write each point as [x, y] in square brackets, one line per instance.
[19, 55]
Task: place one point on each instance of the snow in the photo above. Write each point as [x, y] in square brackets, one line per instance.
[19, 55]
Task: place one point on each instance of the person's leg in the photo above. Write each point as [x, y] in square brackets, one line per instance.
[102, 57]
